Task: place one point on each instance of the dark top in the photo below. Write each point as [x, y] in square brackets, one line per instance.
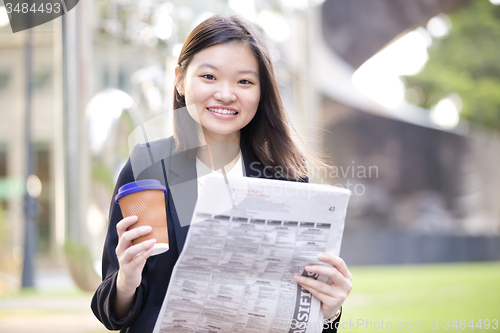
[157, 160]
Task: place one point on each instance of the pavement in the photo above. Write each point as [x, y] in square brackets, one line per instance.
[56, 306]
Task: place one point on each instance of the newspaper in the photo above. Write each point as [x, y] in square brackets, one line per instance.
[247, 239]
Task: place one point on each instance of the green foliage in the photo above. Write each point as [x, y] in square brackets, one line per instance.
[101, 173]
[77, 251]
[466, 62]
[79, 263]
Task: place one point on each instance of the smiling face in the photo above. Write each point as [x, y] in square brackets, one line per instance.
[222, 83]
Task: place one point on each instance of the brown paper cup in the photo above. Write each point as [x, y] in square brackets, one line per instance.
[149, 207]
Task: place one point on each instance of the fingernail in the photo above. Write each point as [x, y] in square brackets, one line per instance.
[152, 241]
[322, 256]
[308, 268]
[297, 277]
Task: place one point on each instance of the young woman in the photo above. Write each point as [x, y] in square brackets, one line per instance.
[225, 85]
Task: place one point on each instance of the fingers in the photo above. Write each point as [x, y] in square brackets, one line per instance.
[336, 262]
[337, 278]
[320, 286]
[135, 253]
[125, 238]
[129, 275]
[322, 296]
[330, 304]
[331, 296]
[132, 258]
[125, 241]
[124, 224]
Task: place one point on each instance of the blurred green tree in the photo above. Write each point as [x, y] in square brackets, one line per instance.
[466, 62]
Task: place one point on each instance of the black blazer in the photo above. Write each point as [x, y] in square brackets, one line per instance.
[157, 160]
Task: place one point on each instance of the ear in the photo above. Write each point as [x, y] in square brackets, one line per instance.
[179, 81]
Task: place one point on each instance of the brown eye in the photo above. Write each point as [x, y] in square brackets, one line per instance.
[208, 76]
[245, 82]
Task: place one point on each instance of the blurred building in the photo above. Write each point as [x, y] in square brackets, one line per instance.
[13, 147]
[435, 194]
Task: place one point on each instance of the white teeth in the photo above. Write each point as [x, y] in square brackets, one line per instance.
[222, 111]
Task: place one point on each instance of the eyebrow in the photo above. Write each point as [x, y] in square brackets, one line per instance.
[242, 72]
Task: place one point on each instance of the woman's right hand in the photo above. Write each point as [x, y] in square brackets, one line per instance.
[132, 259]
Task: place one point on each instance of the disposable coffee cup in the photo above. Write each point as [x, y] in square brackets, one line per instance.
[146, 199]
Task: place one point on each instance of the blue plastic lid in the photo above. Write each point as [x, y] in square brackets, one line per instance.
[140, 185]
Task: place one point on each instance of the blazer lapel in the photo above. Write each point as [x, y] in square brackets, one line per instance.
[182, 181]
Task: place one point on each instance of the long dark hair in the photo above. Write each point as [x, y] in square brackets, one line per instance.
[268, 133]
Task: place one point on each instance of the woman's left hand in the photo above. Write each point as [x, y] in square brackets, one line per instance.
[332, 296]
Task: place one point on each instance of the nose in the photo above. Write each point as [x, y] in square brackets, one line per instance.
[225, 93]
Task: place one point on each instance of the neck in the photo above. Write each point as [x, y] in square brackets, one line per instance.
[221, 151]
[233, 138]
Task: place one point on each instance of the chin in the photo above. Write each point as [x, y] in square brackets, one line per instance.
[222, 131]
